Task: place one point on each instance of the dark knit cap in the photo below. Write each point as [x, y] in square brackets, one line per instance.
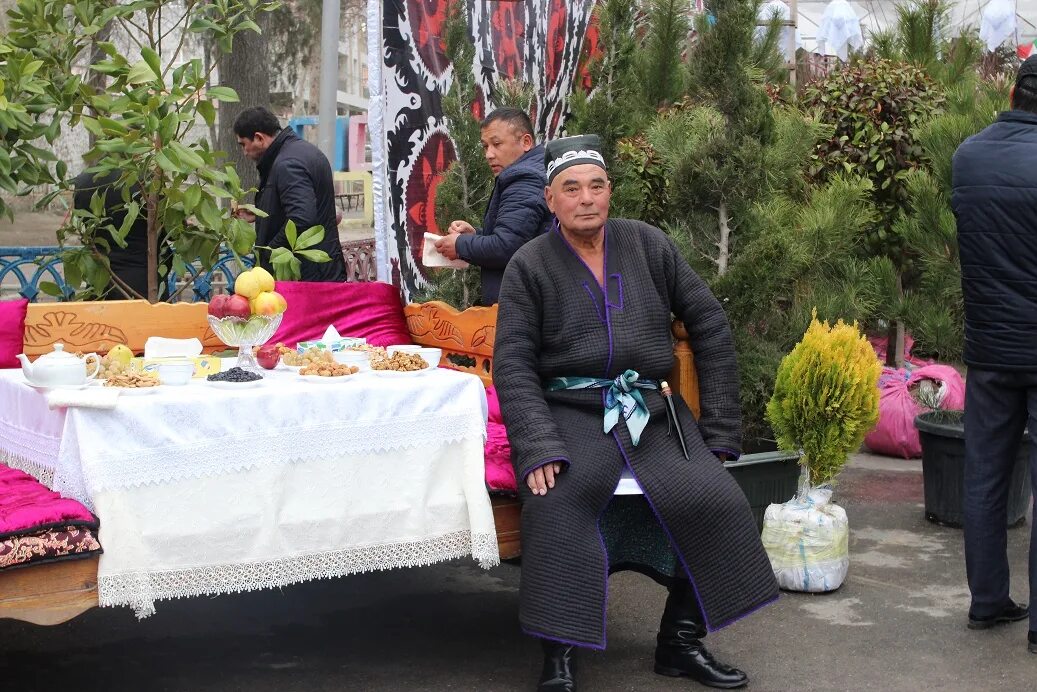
[1027, 69]
[560, 154]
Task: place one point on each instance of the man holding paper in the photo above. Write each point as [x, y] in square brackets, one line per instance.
[517, 211]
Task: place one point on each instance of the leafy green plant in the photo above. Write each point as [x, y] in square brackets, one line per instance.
[143, 115]
[874, 107]
[826, 397]
[285, 261]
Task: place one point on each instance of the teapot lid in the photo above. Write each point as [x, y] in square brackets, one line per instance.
[59, 354]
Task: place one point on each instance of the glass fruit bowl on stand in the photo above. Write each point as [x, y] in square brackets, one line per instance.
[244, 334]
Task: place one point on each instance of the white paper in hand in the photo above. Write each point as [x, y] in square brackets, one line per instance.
[431, 257]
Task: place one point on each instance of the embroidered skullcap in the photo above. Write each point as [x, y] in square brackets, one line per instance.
[562, 153]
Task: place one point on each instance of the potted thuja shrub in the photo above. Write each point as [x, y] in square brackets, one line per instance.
[826, 398]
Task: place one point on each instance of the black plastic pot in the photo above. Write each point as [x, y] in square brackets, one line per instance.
[635, 541]
[942, 434]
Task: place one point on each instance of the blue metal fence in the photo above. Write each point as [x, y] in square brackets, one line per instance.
[31, 265]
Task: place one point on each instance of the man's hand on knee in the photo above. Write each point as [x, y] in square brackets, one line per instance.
[539, 480]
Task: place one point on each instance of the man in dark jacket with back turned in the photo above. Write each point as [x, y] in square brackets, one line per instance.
[517, 211]
[295, 184]
[995, 201]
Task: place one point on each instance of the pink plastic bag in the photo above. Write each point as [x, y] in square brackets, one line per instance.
[895, 434]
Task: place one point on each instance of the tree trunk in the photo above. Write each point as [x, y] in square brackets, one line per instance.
[895, 334]
[246, 70]
[153, 278]
[97, 80]
[724, 246]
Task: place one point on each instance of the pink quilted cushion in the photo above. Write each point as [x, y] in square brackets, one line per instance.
[500, 474]
[27, 506]
[368, 309]
[493, 406]
[12, 331]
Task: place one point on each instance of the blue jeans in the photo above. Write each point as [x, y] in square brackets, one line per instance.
[998, 406]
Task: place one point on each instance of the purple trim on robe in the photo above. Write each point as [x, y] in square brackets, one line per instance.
[747, 613]
[594, 300]
[605, 302]
[619, 283]
[561, 235]
[666, 530]
[538, 635]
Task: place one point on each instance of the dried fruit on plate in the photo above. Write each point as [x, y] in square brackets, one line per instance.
[331, 369]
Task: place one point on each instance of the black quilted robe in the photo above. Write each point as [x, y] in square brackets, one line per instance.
[554, 320]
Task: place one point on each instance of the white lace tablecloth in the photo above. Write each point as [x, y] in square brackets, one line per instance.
[203, 490]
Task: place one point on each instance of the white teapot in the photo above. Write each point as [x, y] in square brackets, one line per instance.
[59, 369]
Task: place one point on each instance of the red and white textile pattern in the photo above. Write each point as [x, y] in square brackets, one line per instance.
[537, 41]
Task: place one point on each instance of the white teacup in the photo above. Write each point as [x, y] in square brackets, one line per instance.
[431, 355]
[176, 372]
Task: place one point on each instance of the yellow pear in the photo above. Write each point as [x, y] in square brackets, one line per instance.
[248, 284]
[266, 281]
[120, 353]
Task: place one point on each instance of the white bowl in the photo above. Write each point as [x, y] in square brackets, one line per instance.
[178, 373]
[432, 356]
[402, 348]
[354, 358]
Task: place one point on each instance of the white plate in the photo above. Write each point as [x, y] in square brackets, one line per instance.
[219, 384]
[42, 388]
[284, 366]
[136, 391]
[317, 379]
[402, 373]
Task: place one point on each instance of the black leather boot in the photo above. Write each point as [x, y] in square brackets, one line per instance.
[679, 651]
[559, 673]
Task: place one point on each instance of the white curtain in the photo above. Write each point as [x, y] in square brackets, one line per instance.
[998, 23]
[840, 30]
[376, 131]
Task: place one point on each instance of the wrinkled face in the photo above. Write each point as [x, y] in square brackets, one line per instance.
[503, 144]
[579, 196]
[255, 148]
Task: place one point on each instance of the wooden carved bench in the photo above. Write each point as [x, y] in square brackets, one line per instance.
[53, 593]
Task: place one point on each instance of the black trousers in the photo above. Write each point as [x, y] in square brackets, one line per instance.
[998, 407]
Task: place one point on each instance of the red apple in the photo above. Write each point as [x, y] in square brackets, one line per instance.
[268, 356]
[218, 306]
[237, 306]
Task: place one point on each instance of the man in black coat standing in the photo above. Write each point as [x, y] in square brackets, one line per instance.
[995, 201]
[517, 211]
[129, 264]
[295, 184]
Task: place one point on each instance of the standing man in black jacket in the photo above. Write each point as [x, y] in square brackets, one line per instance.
[995, 201]
[295, 184]
[517, 211]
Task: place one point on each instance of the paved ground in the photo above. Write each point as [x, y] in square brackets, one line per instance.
[897, 624]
